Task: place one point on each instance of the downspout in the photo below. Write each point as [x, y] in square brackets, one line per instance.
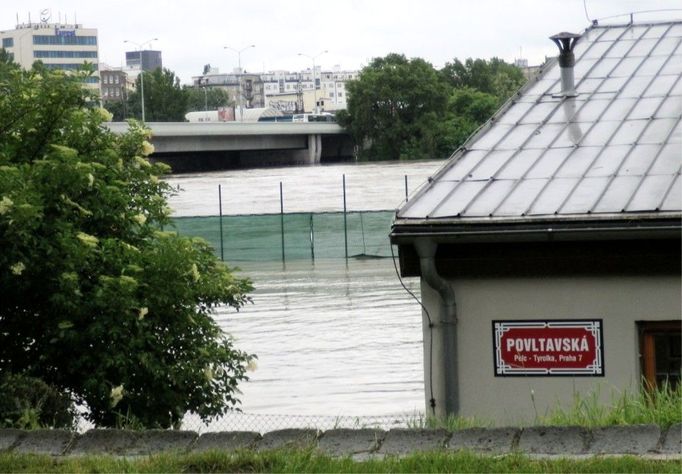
[444, 363]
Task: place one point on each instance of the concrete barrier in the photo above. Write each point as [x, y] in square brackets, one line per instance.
[641, 440]
[484, 440]
[228, 441]
[343, 442]
[405, 441]
[290, 438]
[635, 439]
[554, 440]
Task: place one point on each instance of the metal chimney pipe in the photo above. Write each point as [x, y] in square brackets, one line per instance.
[566, 42]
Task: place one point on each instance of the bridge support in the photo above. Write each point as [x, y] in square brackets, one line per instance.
[314, 149]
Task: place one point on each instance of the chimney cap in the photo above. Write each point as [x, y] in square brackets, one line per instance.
[564, 35]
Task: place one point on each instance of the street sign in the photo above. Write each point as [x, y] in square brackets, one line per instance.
[548, 348]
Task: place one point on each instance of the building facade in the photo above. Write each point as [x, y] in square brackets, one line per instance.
[113, 84]
[548, 247]
[289, 92]
[59, 46]
[144, 60]
[244, 89]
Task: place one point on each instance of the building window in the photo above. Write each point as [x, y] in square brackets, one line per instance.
[64, 54]
[7, 42]
[70, 40]
[116, 78]
[660, 353]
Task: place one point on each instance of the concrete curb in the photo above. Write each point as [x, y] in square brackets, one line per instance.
[647, 441]
[484, 440]
[554, 440]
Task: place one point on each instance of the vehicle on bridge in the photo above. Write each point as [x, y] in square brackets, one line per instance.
[321, 117]
[227, 114]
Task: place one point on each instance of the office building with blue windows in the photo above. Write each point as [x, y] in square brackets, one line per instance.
[58, 46]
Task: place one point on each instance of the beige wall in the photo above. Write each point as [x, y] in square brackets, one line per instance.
[619, 301]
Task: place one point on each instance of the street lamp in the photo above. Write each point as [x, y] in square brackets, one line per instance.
[205, 88]
[139, 49]
[239, 79]
[315, 110]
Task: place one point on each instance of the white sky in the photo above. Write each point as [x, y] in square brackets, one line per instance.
[192, 33]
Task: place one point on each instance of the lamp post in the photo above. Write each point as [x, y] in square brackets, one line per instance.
[315, 110]
[205, 88]
[139, 49]
[239, 79]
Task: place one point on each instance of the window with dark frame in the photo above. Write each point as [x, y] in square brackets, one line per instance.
[660, 352]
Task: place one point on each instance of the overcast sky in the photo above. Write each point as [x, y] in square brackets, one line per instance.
[192, 33]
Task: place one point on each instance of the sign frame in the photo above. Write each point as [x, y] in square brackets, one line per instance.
[594, 326]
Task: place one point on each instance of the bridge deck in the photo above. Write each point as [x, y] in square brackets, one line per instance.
[186, 129]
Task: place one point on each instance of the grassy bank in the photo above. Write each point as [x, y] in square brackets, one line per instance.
[309, 461]
[662, 407]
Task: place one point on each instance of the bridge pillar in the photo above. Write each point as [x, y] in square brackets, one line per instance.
[314, 149]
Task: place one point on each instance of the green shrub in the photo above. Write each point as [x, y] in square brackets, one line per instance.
[29, 403]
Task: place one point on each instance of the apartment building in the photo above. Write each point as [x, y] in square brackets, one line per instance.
[113, 84]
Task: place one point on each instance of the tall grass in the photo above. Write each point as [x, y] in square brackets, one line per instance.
[312, 461]
[661, 406]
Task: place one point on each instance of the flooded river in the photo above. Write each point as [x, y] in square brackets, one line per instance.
[333, 338]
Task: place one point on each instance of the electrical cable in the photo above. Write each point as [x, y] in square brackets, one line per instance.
[585, 8]
[432, 400]
[660, 10]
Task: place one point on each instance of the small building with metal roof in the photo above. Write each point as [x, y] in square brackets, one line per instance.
[548, 246]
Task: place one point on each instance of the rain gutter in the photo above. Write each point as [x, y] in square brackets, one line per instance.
[446, 373]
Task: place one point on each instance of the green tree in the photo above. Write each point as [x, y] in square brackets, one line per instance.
[95, 298]
[206, 98]
[394, 109]
[468, 109]
[164, 99]
[118, 110]
[495, 77]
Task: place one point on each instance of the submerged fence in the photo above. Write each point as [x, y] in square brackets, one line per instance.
[324, 232]
[295, 236]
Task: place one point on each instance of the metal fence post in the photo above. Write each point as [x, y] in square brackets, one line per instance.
[220, 220]
[406, 198]
[312, 238]
[281, 216]
[345, 223]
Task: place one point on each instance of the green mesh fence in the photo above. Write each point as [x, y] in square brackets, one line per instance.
[306, 235]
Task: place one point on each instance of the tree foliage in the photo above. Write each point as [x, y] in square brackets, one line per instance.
[395, 106]
[164, 99]
[400, 108]
[494, 77]
[94, 297]
[206, 98]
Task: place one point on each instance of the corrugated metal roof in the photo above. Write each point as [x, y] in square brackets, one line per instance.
[616, 148]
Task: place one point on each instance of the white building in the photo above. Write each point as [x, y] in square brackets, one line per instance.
[59, 46]
[289, 92]
[283, 89]
[558, 221]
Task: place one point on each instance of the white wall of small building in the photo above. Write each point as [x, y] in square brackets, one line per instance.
[620, 301]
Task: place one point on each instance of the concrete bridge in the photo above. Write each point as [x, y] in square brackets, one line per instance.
[199, 146]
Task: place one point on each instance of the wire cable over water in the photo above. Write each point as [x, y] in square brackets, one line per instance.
[432, 400]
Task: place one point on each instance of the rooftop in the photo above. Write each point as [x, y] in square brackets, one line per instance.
[612, 152]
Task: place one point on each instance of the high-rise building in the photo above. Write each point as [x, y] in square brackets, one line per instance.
[144, 60]
[58, 45]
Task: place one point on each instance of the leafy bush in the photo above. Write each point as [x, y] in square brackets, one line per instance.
[30, 403]
[94, 297]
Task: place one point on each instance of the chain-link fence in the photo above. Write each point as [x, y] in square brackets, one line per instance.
[294, 236]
